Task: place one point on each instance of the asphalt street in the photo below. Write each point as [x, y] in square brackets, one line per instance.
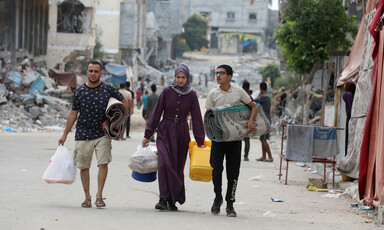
[30, 203]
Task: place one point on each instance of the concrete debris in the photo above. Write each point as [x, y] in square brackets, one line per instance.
[30, 101]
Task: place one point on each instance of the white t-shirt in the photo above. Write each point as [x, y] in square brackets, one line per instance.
[218, 97]
[126, 94]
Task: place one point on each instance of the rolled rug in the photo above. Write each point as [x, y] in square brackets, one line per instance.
[117, 115]
[230, 123]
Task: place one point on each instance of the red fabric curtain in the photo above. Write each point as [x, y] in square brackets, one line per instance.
[371, 171]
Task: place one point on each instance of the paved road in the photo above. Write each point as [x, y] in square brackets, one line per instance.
[29, 203]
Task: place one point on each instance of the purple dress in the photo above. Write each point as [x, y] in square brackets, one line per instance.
[173, 139]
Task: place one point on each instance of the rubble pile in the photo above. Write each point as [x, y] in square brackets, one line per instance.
[30, 101]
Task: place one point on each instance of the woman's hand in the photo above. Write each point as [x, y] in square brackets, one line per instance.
[145, 142]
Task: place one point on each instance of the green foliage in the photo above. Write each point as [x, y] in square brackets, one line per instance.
[180, 45]
[310, 29]
[272, 71]
[98, 52]
[84, 66]
[195, 32]
[289, 81]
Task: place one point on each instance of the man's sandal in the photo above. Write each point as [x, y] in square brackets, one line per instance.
[86, 204]
[100, 202]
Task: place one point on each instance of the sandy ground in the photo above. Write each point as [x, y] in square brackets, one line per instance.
[29, 203]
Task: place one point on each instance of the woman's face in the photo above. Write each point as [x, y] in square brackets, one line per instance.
[181, 79]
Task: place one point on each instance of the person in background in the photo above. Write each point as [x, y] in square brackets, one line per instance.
[162, 80]
[265, 101]
[90, 101]
[348, 96]
[128, 96]
[142, 84]
[246, 140]
[282, 99]
[127, 129]
[173, 106]
[151, 103]
[221, 96]
[139, 93]
[144, 103]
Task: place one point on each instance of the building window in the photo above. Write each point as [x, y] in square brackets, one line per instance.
[252, 16]
[205, 15]
[231, 16]
[70, 17]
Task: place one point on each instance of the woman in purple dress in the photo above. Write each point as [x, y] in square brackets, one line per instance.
[174, 104]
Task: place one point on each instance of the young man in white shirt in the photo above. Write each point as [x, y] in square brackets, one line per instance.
[223, 95]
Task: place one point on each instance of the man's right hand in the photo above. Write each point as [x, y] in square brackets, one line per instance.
[62, 140]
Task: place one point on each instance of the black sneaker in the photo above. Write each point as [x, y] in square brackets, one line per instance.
[172, 207]
[162, 205]
[231, 211]
[246, 158]
[217, 202]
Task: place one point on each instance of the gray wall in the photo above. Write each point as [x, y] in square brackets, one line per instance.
[127, 25]
[168, 18]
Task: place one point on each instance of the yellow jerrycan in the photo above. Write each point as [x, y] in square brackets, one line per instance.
[200, 169]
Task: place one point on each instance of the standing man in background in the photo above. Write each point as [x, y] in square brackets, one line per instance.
[246, 140]
[282, 99]
[144, 103]
[139, 93]
[151, 103]
[128, 96]
[265, 101]
[90, 101]
[128, 85]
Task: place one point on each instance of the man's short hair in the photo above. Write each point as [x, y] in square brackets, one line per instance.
[153, 88]
[263, 86]
[227, 68]
[246, 85]
[128, 84]
[122, 85]
[94, 62]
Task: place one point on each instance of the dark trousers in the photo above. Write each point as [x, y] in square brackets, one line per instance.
[128, 126]
[232, 153]
[246, 146]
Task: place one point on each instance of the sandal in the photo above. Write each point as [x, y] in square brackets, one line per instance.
[100, 202]
[86, 204]
[259, 159]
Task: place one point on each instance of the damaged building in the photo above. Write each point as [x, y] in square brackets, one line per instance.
[23, 33]
[72, 33]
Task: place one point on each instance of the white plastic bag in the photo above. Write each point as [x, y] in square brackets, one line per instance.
[144, 160]
[61, 168]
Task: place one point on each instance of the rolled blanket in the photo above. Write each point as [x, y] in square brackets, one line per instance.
[230, 123]
[117, 115]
